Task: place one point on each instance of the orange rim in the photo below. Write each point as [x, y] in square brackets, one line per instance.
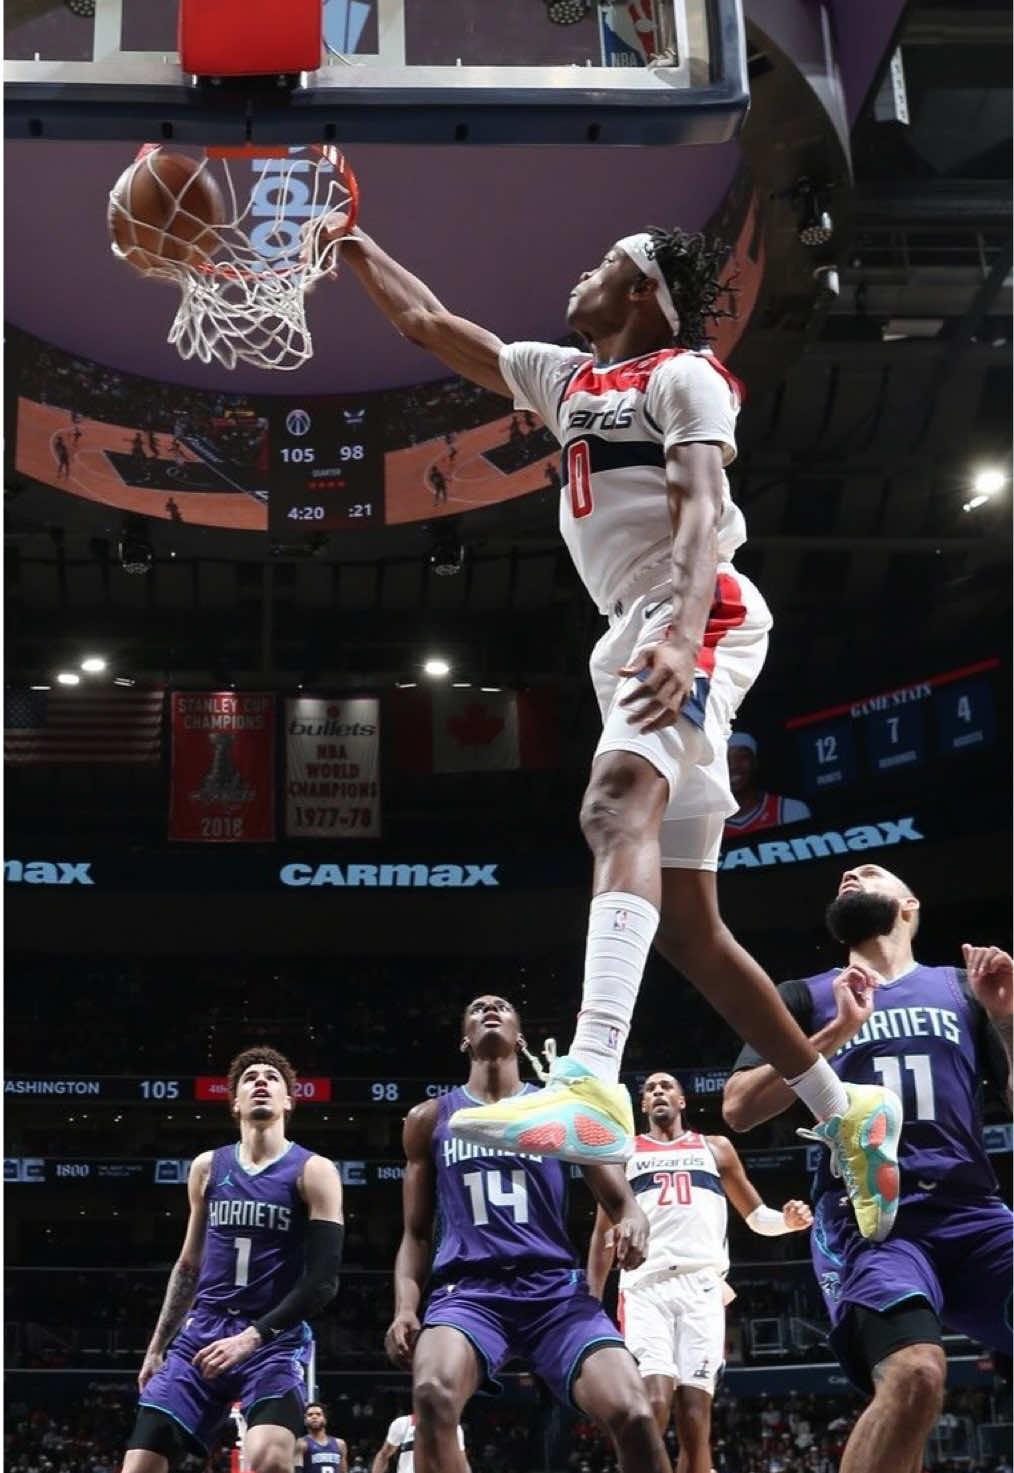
[329, 152]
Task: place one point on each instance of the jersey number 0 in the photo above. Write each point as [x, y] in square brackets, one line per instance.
[579, 479]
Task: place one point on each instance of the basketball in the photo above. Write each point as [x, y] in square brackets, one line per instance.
[160, 209]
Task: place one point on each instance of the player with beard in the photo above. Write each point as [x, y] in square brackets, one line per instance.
[319, 1451]
[932, 1034]
[261, 1254]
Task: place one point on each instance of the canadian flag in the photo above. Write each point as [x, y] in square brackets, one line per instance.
[472, 730]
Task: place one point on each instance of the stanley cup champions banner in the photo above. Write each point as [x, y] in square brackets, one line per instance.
[222, 788]
[332, 768]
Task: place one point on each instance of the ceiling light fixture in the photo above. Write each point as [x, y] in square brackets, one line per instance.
[436, 667]
[68, 677]
[567, 12]
[989, 481]
[93, 665]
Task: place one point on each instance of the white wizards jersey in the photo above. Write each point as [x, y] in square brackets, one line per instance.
[615, 422]
[678, 1187]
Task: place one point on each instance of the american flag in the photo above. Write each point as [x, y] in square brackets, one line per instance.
[99, 725]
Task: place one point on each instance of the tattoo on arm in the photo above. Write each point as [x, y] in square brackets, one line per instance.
[179, 1296]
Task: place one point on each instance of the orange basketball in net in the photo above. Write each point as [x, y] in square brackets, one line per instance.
[160, 211]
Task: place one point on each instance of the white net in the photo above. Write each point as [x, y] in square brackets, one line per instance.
[244, 287]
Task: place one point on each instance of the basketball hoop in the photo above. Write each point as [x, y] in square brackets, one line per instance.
[244, 282]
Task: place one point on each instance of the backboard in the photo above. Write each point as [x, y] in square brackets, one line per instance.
[391, 71]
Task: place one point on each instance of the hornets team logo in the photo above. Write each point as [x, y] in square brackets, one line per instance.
[830, 1283]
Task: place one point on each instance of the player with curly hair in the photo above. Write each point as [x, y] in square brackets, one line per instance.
[646, 421]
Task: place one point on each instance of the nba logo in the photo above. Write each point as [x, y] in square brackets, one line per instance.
[620, 919]
[629, 31]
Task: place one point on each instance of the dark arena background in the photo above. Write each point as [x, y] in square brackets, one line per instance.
[297, 713]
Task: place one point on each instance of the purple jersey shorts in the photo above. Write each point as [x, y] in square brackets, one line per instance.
[547, 1318]
[199, 1405]
[956, 1253]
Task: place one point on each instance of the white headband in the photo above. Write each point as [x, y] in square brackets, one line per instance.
[641, 250]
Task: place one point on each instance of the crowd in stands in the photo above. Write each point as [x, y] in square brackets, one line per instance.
[60, 1317]
[192, 1016]
[83, 1429]
[50, 376]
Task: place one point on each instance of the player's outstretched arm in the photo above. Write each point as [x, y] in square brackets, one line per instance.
[419, 315]
[179, 1294]
[412, 1264]
[628, 1235]
[600, 1255]
[755, 1094]
[794, 1217]
[321, 1190]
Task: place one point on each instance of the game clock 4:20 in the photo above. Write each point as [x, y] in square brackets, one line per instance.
[328, 466]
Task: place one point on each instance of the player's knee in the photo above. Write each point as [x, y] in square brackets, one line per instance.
[660, 1408]
[274, 1457]
[913, 1379]
[434, 1403]
[693, 1421]
[615, 807]
[632, 1423]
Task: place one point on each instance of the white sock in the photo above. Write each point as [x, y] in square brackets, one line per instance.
[620, 932]
[820, 1090]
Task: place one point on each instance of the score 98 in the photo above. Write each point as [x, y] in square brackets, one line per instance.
[380, 1092]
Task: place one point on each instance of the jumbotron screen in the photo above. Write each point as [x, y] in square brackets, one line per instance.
[269, 462]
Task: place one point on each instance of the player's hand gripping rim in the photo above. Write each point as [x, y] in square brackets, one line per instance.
[665, 676]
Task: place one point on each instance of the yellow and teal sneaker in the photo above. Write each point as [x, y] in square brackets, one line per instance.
[575, 1117]
[864, 1153]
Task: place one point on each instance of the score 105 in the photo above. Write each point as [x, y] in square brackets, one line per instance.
[307, 454]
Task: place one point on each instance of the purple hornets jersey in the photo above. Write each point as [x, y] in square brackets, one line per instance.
[921, 1040]
[253, 1246]
[322, 1457]
[495, 1207]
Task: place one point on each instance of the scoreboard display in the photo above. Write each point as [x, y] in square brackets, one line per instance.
[943, 716]
[327, 464]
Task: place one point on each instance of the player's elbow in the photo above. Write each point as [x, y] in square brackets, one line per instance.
[736, 1110]
[420, 326]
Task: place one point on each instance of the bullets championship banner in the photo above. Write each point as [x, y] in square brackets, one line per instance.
[332, 768]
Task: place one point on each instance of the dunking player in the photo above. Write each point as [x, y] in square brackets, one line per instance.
[261, 1253]
[934, 1033]
[504, 1281]
[647, 423]
[672, 1307]
[318, 1451]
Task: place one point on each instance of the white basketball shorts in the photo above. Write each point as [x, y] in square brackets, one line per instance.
[675, 1326]
[692, 753]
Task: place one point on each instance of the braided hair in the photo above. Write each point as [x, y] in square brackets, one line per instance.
[692, 267]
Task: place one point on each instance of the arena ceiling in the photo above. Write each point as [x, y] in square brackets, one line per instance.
[853, 471]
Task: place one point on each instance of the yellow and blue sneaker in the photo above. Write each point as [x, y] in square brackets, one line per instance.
[575, 1117]
[864, 1153]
